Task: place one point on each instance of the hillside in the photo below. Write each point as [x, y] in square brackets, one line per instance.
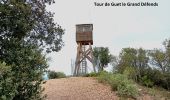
[85, 88]
[78, 88]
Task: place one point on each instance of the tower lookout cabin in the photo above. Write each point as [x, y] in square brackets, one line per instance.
[84, 38]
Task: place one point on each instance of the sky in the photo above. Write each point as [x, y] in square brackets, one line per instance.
[113, 27]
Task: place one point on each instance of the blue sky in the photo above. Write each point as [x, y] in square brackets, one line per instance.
[114, 27]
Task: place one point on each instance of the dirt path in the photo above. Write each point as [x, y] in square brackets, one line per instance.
[78, 88]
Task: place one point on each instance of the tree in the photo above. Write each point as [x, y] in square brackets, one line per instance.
[27, 66]
[133, 58]
[29, 20]
[103, 55]
[159, 59]
[142, 61]
[114, 62]
[7, 86]
[27, 29]
[166, 44]
[127, 59]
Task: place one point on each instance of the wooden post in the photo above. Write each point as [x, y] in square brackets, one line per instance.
[81, 55]
[92, 57]
[77, 60]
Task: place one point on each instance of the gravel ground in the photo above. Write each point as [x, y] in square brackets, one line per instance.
[78, 88]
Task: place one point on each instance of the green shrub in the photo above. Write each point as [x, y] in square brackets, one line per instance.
[154, 77]
[120, 83]
[165, 81]
[115, 81]
[92, 74]
[131, 73]
[53, 75]
[127, 89]
[146, 81]
[104, 77]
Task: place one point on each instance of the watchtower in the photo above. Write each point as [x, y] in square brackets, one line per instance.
[84, 38]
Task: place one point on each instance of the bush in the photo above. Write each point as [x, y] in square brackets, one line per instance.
[165, 81]
[124, 86]
[127, 89]
[120, 83]
[104, 77]
[146, 81]
[118, 80]
[131, 73]
[54, 75]
[92, 74]
[153, 77]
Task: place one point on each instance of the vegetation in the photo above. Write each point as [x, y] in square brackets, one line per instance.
[54, 75]
[119, 83]
[102, 57]
[92, 74]
[125, 87]
[27, 30]
[7, 86]
[147, 67]
[150, 68]
[27, 67]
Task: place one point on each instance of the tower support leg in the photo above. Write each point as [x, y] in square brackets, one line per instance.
[82, 55]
